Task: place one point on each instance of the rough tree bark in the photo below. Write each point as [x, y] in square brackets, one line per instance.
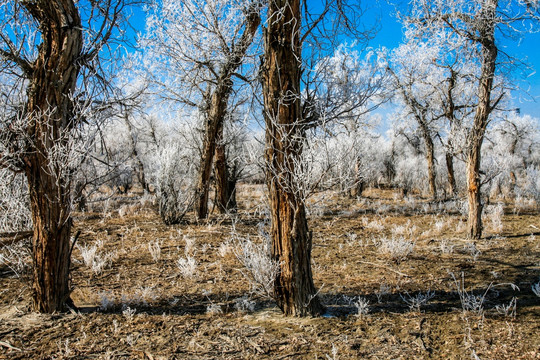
[217, 108]
[486, 37]
[449, 157]
[225, 180]
[49, 108]
[430, 157]
[294, 289]
[449, 112]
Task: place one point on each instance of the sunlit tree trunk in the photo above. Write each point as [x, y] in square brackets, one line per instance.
[49, 110]
[481, 117]
[430, 158]
[214, 120]
[450, 173]
[294, 289]
[225, 179]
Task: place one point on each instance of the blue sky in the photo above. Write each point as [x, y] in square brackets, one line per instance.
[391, 35]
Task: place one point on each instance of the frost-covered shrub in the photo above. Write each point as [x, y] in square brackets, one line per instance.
[493, 217]
[14, 202]
[175, 182]
[396, 247]
[532, 184]
[260, 269]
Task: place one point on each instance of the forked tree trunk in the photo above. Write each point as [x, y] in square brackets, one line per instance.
[481, 118]
[218, 108]
[294, 290]
[49, 110]
[225, 180]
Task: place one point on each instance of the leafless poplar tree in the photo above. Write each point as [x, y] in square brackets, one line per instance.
[477, 25]
[44, 47]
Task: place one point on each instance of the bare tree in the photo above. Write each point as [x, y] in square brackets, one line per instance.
[477, 24]
[291, 107]
[46, 51]
[205, 41]
[420, 109]
[295, 292]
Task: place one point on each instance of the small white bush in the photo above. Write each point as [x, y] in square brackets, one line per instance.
[446, 247]
[224, 248]
[95, 260]
[244, 304]
[129, 313]
[16, 257]
[187, 267]
[107, 301]
[417, 301]
[494, 215]
[398, 248]
[536, 289]
[384, 290]
[362, 306]
[260, 269]
[508, 310]
[214, 309]
[154, 247]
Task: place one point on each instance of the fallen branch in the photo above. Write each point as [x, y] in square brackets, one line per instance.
[9, 346]
[384, 267]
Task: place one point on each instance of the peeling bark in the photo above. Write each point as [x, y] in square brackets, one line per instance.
[294, 289]
[481, 118]
[49, 109]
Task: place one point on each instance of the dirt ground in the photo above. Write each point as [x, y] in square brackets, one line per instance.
[399, 278]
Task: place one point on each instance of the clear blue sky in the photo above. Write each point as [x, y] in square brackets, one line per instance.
[391, 35]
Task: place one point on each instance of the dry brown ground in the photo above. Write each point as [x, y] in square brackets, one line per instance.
[154, 312]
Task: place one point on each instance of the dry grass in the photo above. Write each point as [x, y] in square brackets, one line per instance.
[142, 306]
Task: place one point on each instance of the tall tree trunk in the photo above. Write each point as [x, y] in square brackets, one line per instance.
[294, 290]
[451, 175]
[225, 180]
[358, 186]
[49, 109]
[481, 117]
[218, 108]
[430, 158]
[450, 113]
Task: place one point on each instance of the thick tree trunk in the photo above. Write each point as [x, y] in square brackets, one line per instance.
[430, 158]
[49, 109]
[451, 175]
[225, 180]
[218, 108]
[294, 290]
[473, 197]
[217, 111]
[481, 118]
[51, 242]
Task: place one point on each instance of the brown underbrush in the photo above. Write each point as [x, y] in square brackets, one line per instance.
[398, 277]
